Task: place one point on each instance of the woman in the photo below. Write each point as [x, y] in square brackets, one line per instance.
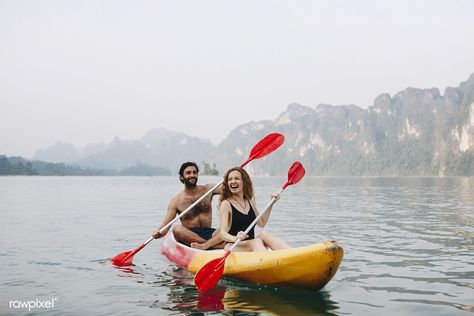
[238, 210]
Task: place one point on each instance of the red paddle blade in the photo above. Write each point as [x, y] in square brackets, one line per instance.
[266, 146]
[295, 174]
[123, 259]
[210, 274]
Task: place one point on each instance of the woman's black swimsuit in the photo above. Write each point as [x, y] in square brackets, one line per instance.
[241, 221]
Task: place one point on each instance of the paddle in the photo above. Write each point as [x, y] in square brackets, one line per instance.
[208, 276]
[264, 147]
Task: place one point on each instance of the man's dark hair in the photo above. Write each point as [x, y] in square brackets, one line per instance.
[187, 164]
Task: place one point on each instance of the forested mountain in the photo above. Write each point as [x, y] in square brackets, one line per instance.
[416, 132]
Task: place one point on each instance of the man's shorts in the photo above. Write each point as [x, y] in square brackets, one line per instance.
[205, 233]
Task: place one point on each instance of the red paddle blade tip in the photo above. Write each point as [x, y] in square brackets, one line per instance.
[295, 174]
[210, 274]
[123, 259]
[266, 146]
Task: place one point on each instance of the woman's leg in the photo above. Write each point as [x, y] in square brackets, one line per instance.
[273, 242]
[255, 244]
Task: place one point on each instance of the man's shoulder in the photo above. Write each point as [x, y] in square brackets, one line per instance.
[211, 185]
[177, 198]
[205, 187]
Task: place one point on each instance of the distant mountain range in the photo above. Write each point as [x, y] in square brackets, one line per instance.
[417, 132]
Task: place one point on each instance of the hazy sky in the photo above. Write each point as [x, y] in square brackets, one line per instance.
[85, 71]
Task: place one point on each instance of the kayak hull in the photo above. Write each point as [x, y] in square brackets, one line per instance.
[310, 267]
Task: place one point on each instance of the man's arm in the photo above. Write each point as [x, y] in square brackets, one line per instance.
[217, 191]
[169, 216]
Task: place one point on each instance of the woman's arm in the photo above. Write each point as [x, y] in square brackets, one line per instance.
[264, 219]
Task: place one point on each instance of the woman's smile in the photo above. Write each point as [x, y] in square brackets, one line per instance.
[235, 181]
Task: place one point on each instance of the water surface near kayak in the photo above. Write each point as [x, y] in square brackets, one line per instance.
[409, 247]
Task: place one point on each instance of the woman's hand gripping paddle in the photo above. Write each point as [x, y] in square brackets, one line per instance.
[208, 276]
[264, 147]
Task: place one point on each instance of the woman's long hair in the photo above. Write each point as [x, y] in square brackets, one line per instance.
[248, 187]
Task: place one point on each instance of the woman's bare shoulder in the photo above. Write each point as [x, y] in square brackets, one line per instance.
[225, 204]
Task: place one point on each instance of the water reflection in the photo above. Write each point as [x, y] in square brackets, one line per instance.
[133, 272]
[237, 297]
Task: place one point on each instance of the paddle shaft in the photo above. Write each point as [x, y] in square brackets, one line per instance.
[255, 220]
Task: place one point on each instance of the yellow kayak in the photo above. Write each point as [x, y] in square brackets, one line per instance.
[309, 267]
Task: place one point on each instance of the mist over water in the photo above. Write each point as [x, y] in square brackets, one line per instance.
[409, 247]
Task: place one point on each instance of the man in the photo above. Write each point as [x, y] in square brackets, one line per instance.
[195, 229]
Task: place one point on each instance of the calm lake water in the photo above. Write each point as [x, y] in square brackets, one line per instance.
[409, 247]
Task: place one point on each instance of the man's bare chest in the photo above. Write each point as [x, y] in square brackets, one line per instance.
[203, 206]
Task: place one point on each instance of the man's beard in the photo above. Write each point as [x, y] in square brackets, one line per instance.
[190, 184]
